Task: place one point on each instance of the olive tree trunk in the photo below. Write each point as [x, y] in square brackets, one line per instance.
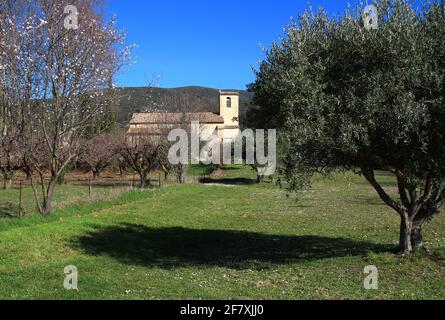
[411, 228]
[405, 243]
[416, 236]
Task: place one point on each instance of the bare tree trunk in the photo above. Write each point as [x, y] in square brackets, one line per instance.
[48, 197]
[28, 175]
[96, 174]
[34, 191]
[7, 179]
[144, 181]
[181, 174]
[7, 183]
[121, 171]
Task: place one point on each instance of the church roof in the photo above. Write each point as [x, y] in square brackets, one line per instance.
[229, 92]
[148, 131]
[176, 118]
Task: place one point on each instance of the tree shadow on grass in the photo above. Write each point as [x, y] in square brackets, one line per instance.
[231, 168]
[370, 199]
[104, 184]
[179, 247]
[232, 181]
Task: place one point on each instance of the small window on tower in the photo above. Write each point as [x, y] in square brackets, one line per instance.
[229, 102]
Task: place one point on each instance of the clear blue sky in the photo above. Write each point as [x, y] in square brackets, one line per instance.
[203, 42]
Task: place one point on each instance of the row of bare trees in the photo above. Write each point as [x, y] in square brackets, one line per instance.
[142, 155]
[53, 83]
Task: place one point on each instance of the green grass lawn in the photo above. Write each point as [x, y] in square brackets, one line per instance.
[65, 195]
[222, 242]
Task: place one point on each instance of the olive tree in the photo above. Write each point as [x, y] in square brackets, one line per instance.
[364, 99]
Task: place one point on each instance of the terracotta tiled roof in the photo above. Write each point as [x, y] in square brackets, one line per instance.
[148, 132]
[229, 92]
[176, 118]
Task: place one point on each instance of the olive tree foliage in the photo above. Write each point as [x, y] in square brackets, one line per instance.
[365, 100]
[65, 71]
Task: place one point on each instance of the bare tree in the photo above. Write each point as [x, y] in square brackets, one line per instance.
[185, 105]
[141, 154]
[10, 160]
[163, 163]
[66, 71]
[99, 152]
[17, 70]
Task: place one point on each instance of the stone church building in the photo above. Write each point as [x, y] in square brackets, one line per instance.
[225, 124]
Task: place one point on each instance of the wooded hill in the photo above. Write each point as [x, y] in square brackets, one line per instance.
[189, 99]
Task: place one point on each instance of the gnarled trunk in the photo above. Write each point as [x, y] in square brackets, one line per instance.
[144, 181]
[405, 243]
[416, 235]
[422, 217]
[414, 211]
[411, 237]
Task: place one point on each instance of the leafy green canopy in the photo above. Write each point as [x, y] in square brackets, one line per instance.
[348, 97]
[363, 99]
